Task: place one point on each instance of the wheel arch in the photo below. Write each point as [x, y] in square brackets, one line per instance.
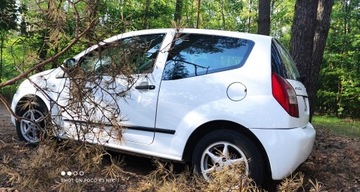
[23, 99]
[211, 126]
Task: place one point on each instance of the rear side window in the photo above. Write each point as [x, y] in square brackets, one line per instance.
[196, 54]
[282, 63]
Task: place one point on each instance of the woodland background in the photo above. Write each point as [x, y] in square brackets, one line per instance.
[323, 36]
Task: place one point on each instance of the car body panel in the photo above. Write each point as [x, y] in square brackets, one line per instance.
[137, 107]
[159, 122]
[295, 145]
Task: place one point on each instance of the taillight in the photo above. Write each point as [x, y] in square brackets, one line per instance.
[285, 94]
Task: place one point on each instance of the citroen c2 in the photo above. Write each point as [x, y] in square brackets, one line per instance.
[206, 97]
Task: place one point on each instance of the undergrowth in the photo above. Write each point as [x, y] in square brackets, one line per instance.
[47, 167]
[163, 179]
[63, 166]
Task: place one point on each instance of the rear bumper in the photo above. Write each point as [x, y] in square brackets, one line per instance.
[286, 148]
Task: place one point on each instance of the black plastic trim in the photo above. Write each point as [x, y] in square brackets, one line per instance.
[139, 128]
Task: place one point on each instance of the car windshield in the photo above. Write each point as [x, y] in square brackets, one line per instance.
[282, 63]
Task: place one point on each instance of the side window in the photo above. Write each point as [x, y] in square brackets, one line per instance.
[133, 55]
[282, 63]
[195, 54]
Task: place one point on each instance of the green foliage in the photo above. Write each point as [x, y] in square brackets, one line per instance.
[8, 11]
[223, 14]
[282, 13]
[339, 85]
[45, 27]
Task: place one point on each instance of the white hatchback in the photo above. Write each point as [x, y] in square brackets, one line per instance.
[207, 97]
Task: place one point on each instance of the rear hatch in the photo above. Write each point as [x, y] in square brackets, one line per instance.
[283, 65]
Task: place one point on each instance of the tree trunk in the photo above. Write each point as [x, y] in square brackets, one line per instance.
[221, 4]
[1, 54]
[198, 15]
[146, 14]
[308, 37]
[178, 10]
[264, 17]
[249, 17]
[321, 33]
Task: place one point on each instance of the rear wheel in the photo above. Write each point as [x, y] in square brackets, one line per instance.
[222, 148]
[30, 127]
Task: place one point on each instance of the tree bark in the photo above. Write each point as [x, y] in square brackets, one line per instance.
[308, 38]
[1, 55]
[198, 14]
[178, 10]
[264, 17]
[221, 4]
[146, 14]
[321, 33]
[249, 17]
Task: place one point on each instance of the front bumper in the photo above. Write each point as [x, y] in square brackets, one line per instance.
[14, 102]
[286, 148]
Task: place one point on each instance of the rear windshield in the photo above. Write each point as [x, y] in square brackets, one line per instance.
[282, 63]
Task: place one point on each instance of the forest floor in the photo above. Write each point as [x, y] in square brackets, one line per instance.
[334, 162]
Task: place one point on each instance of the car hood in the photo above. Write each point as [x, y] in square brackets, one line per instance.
[46, 74]
[41, 79]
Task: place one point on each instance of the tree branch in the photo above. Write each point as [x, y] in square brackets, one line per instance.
[45, 62]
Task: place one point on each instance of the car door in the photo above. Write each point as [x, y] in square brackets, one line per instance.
[195, 80]
[121, 88]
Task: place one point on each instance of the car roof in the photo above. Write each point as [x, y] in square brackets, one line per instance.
[189, 30]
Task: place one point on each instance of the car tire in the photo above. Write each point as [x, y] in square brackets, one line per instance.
[30, 127]
[213, 151]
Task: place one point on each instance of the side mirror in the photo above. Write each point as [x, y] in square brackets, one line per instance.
[69, 63]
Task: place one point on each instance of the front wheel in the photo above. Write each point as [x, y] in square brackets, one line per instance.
[30, 127]
[223, 148]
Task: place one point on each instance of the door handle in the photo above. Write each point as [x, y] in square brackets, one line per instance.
[147, 87]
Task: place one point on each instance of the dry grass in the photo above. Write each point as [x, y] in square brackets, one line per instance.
[40, 168]
[231, 179]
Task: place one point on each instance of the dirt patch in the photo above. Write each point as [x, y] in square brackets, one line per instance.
[334, 162]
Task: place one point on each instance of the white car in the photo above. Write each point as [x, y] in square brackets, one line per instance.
[207, 97]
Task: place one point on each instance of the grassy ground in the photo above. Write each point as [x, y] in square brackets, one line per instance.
[345, 127]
